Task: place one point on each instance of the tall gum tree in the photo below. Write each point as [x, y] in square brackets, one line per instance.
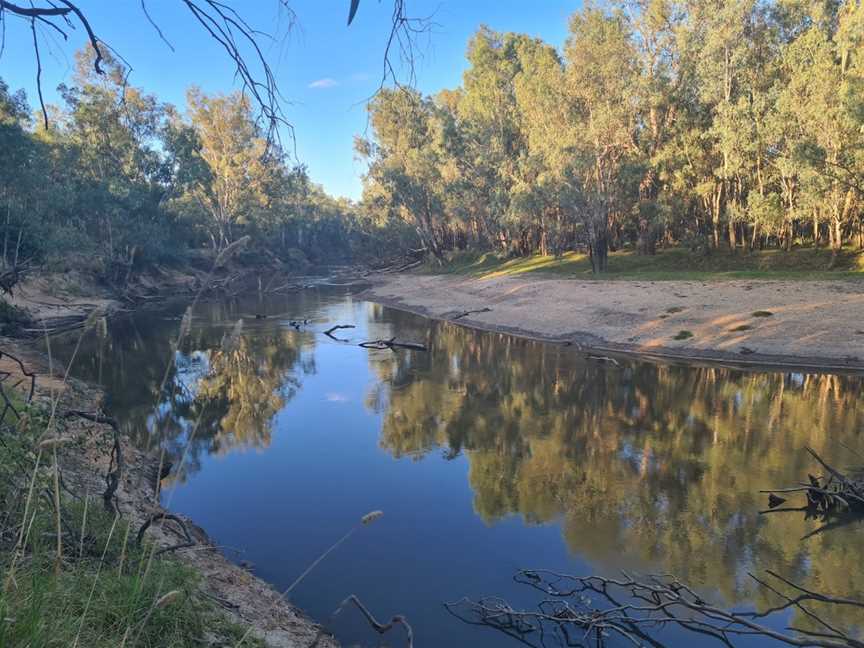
[601, 71]
[230, 187]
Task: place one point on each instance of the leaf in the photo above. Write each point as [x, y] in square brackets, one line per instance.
[353, 11]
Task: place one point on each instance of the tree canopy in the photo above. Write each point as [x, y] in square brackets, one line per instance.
[703, 123]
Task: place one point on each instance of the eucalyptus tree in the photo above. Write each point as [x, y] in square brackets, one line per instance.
[601, 72]
[224, 162]
[404, 174]
[824, 76]
[110, 130]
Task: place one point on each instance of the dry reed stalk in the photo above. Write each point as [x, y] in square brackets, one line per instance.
[95, 581]
[83, 525]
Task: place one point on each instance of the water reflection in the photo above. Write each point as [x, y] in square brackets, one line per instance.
[642, 466]
[645, 466]
[205, 397]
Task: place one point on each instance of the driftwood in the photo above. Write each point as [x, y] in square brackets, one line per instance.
[594, 610]
[399, 267]
[116, 465]
[831, 493]
[392, 344]
[470, 312]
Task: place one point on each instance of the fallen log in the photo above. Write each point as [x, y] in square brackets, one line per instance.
[470, 312]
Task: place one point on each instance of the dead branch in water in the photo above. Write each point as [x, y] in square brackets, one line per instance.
[825, 495]
[380, 628]
[392, 344]
[583, 610]
[329, 332]
[116, 465]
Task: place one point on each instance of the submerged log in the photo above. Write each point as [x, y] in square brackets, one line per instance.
[392, 344]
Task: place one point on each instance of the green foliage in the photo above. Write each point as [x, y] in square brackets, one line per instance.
[121, 177]
[709, 124]
[106, 587]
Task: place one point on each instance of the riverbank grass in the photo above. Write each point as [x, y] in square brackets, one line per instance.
[96, 588]
[667, 264]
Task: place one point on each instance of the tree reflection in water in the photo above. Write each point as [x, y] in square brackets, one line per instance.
[645, 466]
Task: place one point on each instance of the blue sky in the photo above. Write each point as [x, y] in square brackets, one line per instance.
[325, 69]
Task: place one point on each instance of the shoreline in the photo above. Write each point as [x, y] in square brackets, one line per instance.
[555, 311]
[234, 591]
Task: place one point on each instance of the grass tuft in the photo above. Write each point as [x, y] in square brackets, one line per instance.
[683, 335]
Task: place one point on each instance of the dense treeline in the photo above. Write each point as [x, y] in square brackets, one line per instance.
[116, 178]
[708, 123]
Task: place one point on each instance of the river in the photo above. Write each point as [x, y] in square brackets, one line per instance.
[487, 454]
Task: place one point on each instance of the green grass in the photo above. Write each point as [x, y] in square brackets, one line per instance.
[667, 264]
[762, 313]
[102, 590]
[683, 335]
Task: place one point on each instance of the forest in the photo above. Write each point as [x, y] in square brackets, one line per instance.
[710, 125]
[116, 179]
[701, 124]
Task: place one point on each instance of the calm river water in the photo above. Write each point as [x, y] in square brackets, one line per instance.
[487, 454]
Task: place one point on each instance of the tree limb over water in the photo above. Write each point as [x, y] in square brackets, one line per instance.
[243, 44]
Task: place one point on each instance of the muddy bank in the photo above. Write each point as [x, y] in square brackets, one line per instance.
[231, 589]
[59, 302]
[813, 325]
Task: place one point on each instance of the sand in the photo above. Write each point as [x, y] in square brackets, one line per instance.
[812, 324]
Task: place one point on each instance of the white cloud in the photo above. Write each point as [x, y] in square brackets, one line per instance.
[324, 83]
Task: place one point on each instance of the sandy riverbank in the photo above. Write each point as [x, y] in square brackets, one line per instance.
[812, 324]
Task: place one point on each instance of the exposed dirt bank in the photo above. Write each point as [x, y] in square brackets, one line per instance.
[815, 325]
[240, 595]
[56, 302]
